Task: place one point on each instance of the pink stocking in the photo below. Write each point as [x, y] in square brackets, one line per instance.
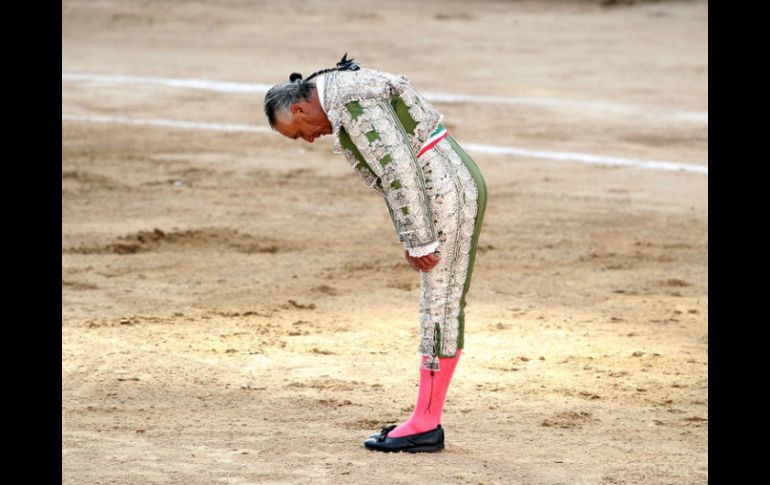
[430, 398]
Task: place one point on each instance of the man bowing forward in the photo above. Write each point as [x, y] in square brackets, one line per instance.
[434, 192]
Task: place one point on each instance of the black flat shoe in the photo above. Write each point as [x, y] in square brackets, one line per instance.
[374, 435]
[428, 441]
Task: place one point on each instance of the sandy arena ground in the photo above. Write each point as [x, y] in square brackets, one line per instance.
[237, 308]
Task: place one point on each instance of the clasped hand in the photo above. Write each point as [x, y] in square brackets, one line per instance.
[422, 263]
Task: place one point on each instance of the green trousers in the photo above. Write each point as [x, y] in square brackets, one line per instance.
[482, 205]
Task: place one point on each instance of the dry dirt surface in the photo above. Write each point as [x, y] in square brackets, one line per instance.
[236, 306]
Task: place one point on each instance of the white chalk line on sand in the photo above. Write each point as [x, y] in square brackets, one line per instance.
[221, 86]
[539, 101]
[165, 122]
[473, 147]
[586, 158]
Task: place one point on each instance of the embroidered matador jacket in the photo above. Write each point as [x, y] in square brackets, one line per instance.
[394, 140]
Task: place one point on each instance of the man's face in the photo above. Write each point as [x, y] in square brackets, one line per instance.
[307, 121]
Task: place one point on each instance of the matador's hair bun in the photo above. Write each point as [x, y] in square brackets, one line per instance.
[344, 64]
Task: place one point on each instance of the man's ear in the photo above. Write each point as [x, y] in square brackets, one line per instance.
[298, 108]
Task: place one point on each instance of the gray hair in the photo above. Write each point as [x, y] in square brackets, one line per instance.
[281, 97]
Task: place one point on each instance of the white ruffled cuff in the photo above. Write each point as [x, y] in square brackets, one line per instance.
[421, 251]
